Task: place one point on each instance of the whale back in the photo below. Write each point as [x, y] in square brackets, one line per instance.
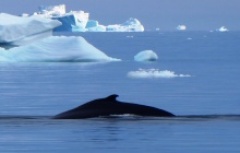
[110, 106]
[144, 110]
[100, 102]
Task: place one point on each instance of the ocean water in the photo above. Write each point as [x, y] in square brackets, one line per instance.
[204, 93]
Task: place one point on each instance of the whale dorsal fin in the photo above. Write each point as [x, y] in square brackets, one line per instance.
[112, 97]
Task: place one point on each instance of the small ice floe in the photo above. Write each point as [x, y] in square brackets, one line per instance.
[155, 73]
[146, 55]
[222, 29]
[181, 27]
[129, 36]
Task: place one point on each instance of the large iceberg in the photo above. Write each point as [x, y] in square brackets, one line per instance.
[71, 21]
[55, 49]
[78, 21]
[17, 30]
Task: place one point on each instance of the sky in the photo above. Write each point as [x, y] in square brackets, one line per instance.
[163, 14]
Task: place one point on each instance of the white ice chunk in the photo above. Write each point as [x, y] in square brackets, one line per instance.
[18, 30]
[181, 27]
[54, 49]
[222, 29]
[154, 73]
[146, 55]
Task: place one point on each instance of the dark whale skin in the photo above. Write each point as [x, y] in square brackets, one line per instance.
[110, 106]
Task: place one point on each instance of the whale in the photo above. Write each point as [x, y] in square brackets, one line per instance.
[109, 106]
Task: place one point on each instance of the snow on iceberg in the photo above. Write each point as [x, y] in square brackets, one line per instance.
[17, 30]
[55, 49]
[154, 73]
[56, 10]
[146, 55]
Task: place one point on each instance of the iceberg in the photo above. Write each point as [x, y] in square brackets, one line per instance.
[56, 49]
[131, 25]
[73, 21]
[222, 29]
[17, 30]
[181, 27]
[146, 55]
[69, 23]
[78, 21]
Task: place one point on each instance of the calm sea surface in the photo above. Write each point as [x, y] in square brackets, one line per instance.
[208, 102]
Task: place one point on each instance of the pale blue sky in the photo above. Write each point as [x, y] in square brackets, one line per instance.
[165, 14]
